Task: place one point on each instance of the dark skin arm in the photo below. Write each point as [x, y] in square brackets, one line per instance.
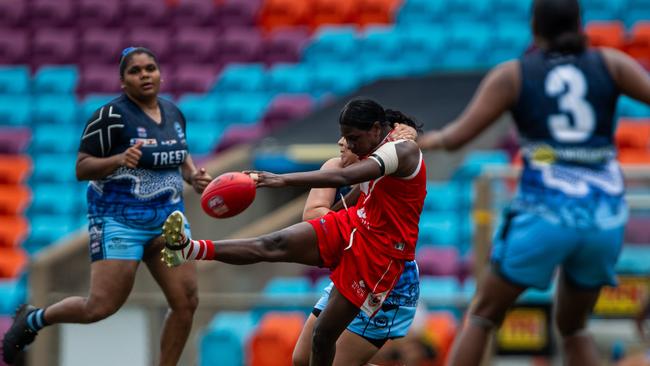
[498, 91]
[628, 75]
[363, 171]
[90, 167]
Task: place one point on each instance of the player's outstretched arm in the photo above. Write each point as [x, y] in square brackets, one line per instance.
[197, 178]
[496, 94]
[629, 76]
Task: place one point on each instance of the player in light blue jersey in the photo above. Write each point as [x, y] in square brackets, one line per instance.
[134, 153]
[569, 212]
[365, 335]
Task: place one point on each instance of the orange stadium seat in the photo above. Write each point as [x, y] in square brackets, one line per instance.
[14, 169]
[376, 11]
[12, 262]
[332, 12]
[13, 231]
[441, 329]
[14, 199]
[273, 342]
[633, 134]
[282, 13]
[606, 34]
[639, 45]
[633, 157]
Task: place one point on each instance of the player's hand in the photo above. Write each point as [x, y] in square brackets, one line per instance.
[403, 132]
[266, 179]
[200, 179]
[131, 156]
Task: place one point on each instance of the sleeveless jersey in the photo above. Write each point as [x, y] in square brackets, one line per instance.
[388, 211]
[146, 195]
[565, 117]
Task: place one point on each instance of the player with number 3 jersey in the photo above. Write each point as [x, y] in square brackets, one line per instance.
[569, 211]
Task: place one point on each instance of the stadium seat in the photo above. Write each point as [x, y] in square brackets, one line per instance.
[157, 39]
[398, 68]
[279, 287]
[239, 45]
[476, 161]
[283, 13]
[195, 13]
[423, 45]
[380, 44]
[14, 140]
[14, 229]
[439, 292]
[236, 77]
[438, 261]
[15, 169]
[286, 107]
[55, 168]
[15, 110]
[14, 80]
[237, 13]
[145, 12]
[196, 44]
[98, 13]
[54, 46]
[13, 261]
[224, 340]
[467, 10]
[101, 46]
[466, 46]
[440, 329]
[420, 12]
[13, 13]
[601, 10]
[332, 44]
[91, 103]
[606, 34]
[55, 199]
[13, 293]
[56, 80]
[639, 45]
[194, 78]
[14, 199]
[633, 134]
[510, 10]
[236, 134]
[243, 108]
[328, 12]
[203, 137]
[376, 12]
[289, 78]
[636, 230]
[509, 41]
[635, 11]
[634, 260]
[277, 336]
[58, 110]
[14, 44]
[48, 229]
[284, 45]
[446, 196]
[628, 107]
[199, 107]
[99, 79]
[46, 13]
[335, 77]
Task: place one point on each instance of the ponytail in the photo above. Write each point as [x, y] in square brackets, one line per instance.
[393, 116]
[571, 43]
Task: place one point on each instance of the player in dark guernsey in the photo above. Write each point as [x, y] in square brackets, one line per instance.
[135, 155]
[569, 211]
[365, 335]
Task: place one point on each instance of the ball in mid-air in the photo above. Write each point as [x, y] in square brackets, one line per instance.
[228, 195]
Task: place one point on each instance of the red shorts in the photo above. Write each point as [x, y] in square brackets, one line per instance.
[360, 270]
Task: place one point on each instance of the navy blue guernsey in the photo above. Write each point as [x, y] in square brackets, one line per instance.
[565, 117]
[146, 195]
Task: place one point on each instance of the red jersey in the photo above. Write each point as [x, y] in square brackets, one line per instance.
[388, 212]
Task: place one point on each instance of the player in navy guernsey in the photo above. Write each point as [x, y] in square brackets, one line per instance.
[134, 153]
[569, 211]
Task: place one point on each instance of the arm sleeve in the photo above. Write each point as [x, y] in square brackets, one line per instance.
[386, 157]
[101, 132]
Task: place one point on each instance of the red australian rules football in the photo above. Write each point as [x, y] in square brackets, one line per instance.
[228, 195]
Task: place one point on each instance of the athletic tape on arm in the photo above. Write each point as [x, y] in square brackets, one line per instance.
[386, 157]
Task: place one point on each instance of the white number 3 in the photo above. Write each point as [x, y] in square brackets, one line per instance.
[568, 83]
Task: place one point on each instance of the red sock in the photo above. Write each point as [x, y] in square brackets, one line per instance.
[199, 250]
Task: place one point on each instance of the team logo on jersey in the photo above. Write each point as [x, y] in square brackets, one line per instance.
[145, 142]
[179, 130]
[168, 142]
[373, 302]
[142, 132]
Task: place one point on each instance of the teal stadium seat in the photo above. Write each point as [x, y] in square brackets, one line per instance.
[628, 107]
[446, 196]
[55, 199]
[202, 137]
[15, 110]
[55, 139]
[466, 10]
[225, 339]
[440, 292]
[636, 10]
[517, 10]
[56, 80]
[379, 44]
[423, 45]
[57, 109]
[603, 10]
[332, 44]
[400, 68]
[55, 168]
[13, 293]
[469, 288]
[14, 80]
[91, 103]
[237, 77]
[634, 260]
[46, 229]
[466, 46]
[243, 108]
[475, 161]
[420, 11]
[286, 293]
[320, 284]
[337, 78]
[443, 228]
[199, 108]
[289, 78]
[510, 40]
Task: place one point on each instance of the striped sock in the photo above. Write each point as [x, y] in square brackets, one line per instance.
[36, 320]
[199, 250]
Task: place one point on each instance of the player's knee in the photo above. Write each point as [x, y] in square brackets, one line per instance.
[323, 338]
[186, 303]
[300, 358]
[273, 246]
[486, 313]
[99, 312]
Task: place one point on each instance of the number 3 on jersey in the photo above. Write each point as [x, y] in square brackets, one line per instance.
[567, 83]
